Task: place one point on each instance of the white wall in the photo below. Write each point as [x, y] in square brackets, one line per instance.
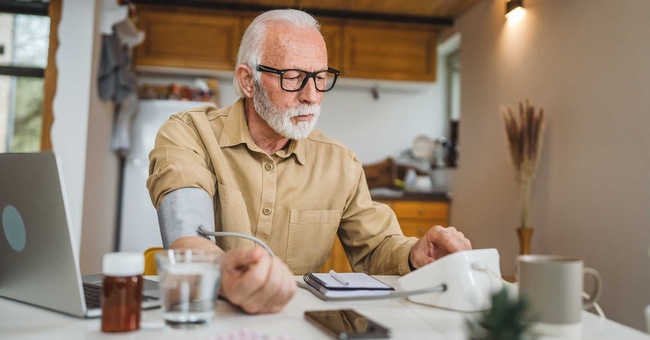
[71, 101]
[101, 187]
[81, 135]
[587, 63]
[383, 127]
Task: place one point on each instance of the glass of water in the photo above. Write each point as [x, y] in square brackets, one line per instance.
[189, 283]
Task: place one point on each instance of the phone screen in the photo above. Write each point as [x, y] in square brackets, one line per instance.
[347, 324]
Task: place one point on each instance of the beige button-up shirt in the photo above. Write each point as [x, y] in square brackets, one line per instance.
[296, 200]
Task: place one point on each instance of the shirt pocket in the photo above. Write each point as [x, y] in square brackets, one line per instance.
[311, 237]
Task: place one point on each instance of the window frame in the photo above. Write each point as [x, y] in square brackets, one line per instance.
[49, 73]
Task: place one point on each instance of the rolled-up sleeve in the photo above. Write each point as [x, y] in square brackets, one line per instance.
[178, 160]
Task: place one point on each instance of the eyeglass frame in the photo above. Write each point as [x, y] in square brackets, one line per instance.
[310, 75]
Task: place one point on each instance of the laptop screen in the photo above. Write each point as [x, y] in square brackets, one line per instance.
[38, 261]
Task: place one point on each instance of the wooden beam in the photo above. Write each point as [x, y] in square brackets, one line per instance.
[50, 80]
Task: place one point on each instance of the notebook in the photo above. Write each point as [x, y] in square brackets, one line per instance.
[38, 262]
[346, 284]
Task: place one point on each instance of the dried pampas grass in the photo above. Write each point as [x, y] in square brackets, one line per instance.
[525, 132]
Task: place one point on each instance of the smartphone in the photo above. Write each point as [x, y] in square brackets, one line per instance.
[347, 324]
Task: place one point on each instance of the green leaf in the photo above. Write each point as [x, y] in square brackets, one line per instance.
[506, 320]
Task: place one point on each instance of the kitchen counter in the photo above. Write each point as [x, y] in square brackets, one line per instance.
[387, 194]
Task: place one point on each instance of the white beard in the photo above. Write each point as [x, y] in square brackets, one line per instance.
[280, 120]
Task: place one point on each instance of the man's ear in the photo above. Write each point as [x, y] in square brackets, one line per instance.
[244, 75]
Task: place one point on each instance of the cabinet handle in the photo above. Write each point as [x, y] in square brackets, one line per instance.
[420, 232]
[420, 211]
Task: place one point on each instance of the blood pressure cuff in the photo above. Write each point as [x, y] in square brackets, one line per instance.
[181, 213]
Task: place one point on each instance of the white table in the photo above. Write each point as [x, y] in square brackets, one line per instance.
[407, 320]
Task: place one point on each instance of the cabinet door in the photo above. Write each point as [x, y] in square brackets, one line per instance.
[421, 209]
[417, 217]
[332, 32]
[389, 51]
[188, 38]
[419, 227]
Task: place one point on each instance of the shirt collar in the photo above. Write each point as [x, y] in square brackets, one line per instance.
[235, 132]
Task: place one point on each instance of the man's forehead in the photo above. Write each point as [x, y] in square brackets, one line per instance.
[292, 47]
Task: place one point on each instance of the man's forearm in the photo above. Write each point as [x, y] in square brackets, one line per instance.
[195, 242]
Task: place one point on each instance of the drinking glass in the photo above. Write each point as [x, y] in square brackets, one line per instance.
[189, 284]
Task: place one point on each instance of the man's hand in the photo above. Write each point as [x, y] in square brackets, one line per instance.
[255, 281]
[437, 243]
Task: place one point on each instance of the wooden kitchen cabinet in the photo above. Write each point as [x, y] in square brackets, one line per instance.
[332, 33]
[389, 51]
[209, 39]
[187, 38]
[415, 217]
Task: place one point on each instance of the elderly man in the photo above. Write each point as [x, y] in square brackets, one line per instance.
[258, 167]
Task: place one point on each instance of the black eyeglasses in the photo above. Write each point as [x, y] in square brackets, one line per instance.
[293, 80]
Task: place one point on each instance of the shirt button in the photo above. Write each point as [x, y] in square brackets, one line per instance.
[269, 166]
[266, 211]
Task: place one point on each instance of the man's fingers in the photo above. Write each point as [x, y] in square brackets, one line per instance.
[273, 292]
[248, 293]
[466, 244]
[239, 259]
[240, 275]
[280, 288]
[448, 239]
[286, 290]
[458, 236]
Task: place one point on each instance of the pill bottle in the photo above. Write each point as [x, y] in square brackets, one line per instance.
[122, 291]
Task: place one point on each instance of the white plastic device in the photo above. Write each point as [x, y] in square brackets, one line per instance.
[470, 276]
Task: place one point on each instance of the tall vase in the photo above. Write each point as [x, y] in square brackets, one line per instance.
[525, 235]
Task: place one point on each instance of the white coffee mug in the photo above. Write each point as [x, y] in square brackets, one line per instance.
[553, 287]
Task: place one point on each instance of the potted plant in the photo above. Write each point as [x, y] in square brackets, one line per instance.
[506, 320]
[524, 133]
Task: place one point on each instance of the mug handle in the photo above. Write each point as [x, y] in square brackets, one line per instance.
[593, 297]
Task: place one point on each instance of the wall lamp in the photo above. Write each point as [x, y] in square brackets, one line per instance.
[514, 9]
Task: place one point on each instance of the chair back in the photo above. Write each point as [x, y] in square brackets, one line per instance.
[150, 260]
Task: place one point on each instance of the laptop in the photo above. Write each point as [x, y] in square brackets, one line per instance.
[38, 262]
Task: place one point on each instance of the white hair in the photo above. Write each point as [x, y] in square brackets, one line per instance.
[252, 43]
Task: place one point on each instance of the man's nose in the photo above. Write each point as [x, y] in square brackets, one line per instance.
[309, 94]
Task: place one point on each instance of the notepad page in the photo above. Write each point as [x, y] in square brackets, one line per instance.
[355, 281]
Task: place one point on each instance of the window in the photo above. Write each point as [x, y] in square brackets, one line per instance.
[24, 39]
[452, 98]
[453, 85]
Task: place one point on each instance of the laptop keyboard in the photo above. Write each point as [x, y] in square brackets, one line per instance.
[93, 295]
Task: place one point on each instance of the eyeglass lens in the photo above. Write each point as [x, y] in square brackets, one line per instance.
[293, 80]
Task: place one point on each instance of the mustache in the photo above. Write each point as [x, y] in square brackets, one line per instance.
[304, 109]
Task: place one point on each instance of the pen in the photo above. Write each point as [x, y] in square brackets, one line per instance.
[338, 277]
